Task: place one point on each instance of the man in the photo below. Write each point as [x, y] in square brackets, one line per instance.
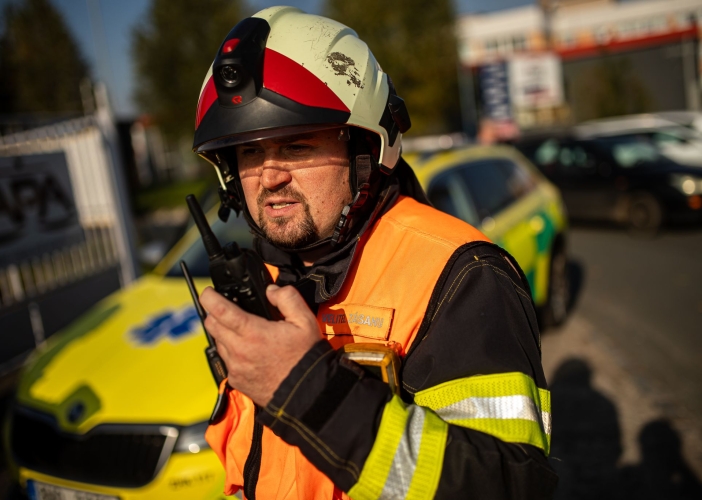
[305, 132]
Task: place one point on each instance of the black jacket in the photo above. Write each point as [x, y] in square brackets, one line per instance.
[480, 321]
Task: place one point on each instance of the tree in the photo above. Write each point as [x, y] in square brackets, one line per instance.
[609, 87]
[41, 66]
[618, 90]
[415, 43]
[172, 51]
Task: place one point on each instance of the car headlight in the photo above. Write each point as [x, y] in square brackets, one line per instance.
[687, 184]
[192, 439]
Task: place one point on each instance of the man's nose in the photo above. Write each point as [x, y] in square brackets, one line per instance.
[274, 175]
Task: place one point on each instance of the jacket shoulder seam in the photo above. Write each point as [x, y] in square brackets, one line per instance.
[443, 241]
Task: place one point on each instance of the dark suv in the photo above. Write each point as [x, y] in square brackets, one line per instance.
[622, 179]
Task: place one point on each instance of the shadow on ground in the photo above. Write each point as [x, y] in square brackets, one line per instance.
[586, 445]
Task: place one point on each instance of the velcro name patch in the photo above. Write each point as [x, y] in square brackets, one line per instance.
[355, 319]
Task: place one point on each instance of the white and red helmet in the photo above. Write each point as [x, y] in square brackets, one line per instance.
[283, 72]
[283, 69]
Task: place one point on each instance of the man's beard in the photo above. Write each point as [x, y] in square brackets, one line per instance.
[294, 235]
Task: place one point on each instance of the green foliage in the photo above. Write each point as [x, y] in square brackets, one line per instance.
[40, 64]
[609, 87]
[172, 50]
[414, 41]
[618, 90]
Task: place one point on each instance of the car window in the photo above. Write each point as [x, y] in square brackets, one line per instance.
[629, 151]
[488, 184]
[667, 137]
[547, 153]
[573, 156]
[630, 155]
[476, 190]
[236, 229]
[488, 187]
[519, 180]
[448, 193]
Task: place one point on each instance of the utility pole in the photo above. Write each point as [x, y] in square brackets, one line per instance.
[548, 7]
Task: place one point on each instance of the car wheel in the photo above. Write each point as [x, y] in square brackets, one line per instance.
[555, 311]
[645, 213]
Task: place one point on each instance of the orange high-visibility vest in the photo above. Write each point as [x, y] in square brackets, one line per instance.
[397, 265]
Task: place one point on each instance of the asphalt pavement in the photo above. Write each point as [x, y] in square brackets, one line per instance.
[625, 370]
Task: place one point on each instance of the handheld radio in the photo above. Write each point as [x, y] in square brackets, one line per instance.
[238, 274]
[217, 367]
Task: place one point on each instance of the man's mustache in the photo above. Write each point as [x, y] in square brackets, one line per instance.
[285, 192]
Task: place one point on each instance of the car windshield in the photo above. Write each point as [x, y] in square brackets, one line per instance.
[475, 190]
[629, 151]
[195, 257]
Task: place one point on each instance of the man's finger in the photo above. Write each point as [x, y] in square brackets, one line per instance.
[215, 328]
[224, 311]
[290, 304]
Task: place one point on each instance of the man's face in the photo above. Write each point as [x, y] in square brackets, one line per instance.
[296, 186]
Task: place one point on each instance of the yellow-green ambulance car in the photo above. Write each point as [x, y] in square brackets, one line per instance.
[499, 191]
[116, 405]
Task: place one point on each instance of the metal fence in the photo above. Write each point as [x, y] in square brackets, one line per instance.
[44, 288]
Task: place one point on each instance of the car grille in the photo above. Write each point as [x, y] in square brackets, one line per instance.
[127, 456]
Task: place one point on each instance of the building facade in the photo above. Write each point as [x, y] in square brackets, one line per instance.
[613, 57]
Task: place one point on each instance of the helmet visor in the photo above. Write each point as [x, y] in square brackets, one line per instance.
[259, 135]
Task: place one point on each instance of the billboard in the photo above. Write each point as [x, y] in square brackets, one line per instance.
[494, 85]
[535, 81]
[37, 207]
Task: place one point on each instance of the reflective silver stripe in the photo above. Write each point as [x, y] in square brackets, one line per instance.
[504, 407]
[405, 461]
[546, 419]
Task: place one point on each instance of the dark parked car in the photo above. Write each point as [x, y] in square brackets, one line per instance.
[622, 179]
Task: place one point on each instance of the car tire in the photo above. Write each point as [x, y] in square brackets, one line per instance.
[645, 213]
[555, 311]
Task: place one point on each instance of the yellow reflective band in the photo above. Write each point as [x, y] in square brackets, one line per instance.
[508, 406]
[377, 467]
[425, 480]
[404, 463]
[407, 457]
[545, 400]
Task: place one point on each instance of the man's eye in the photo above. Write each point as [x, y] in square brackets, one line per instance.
[251, 151]
[297, 148]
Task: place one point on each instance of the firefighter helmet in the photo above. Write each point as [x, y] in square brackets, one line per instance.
[283, 71]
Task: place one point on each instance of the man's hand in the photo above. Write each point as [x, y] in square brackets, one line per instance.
[259, 354]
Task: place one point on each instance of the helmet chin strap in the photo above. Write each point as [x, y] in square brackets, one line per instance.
[361, 167]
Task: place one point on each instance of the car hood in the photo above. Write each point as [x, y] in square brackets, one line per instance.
[136, 357]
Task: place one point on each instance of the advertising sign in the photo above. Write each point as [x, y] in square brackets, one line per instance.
[37, 208]
[494, 85]
[535, 81]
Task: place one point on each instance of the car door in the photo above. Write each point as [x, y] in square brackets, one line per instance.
[586, 179]
[489, 194]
